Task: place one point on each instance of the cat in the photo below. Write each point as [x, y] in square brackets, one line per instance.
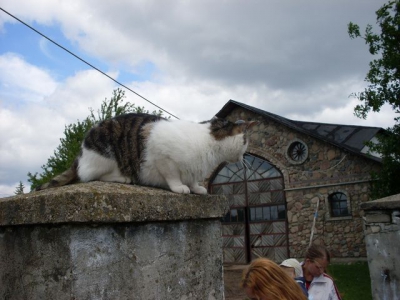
[149, 150]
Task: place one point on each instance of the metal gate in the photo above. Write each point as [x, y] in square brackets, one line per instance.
[256, 223]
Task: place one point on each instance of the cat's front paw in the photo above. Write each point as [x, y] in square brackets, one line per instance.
[200, 190]
[180, 189]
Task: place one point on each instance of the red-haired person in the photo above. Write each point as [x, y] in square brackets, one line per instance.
[265, 280]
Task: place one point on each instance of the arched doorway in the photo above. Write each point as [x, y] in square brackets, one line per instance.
[256, 224]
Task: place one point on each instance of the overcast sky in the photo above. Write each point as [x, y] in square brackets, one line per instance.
[292, 58]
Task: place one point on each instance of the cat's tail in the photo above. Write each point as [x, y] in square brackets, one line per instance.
[67, 177]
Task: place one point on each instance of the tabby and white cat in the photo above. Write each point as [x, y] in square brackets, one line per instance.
[148, 150]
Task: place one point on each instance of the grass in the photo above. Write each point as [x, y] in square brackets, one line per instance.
[352, 280]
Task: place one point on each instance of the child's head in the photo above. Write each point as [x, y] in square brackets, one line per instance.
[292, 267]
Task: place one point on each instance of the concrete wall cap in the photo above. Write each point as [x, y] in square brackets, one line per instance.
[391, 202]
[104, 202]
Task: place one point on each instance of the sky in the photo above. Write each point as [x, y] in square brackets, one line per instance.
[292, 58]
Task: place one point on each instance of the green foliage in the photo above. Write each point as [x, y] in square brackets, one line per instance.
[383, 87]
[19, 190]
[384, 74]
[74, 134]
[114, 107]
[352, 280]
[64, 155]
[386, 182]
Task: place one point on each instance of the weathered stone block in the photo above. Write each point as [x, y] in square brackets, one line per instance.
[383, 247]
[375, 228]
[377, 218]
[331, 154]
[110, 241]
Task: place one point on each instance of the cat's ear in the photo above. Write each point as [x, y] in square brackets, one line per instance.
[216, 119]
[220, 121]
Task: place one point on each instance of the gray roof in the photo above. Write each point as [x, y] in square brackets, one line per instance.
[349, 137]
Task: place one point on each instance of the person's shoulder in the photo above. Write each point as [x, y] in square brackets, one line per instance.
[323, 278]
[333, 285]
[327, 277]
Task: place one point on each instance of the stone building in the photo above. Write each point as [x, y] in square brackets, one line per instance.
[302, 181]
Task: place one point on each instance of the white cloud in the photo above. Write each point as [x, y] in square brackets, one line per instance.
[31, 132]
[8, 190]
[19, 78]
[345, 115]
[280, 44]
[86, 89]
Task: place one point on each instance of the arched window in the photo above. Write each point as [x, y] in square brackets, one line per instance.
[256, 168]
[339, 205]
[256, 222]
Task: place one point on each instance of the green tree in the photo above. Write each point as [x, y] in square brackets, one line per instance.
[74, 134]
[64, 155]
[383, 88]
[19, 190]
[114, 107]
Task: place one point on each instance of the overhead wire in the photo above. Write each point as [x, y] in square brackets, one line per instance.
[87, 63]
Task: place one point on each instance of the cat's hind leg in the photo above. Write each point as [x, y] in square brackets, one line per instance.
[172, 176]
[93, 166]
[115, 176]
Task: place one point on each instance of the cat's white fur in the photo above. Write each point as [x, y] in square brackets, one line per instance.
[93, 166]
[178, 155]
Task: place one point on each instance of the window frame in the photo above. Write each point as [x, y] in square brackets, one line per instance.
[329, 199]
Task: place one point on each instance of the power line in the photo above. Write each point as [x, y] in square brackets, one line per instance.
[84, 61]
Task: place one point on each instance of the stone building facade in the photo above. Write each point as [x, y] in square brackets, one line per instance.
[303, 181]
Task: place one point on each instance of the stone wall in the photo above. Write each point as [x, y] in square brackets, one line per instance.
[328, 169]
[343, 236]
[110, 241]
[382, 235]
